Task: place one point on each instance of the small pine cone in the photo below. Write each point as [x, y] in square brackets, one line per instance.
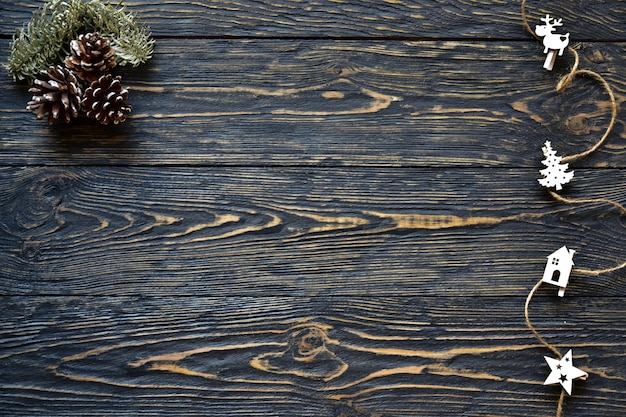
[105, 100]
[91, 56]
[56, 94]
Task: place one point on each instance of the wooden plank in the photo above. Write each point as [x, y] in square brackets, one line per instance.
[372, 356]
[293, 231]
[329, 103]
[593, 20]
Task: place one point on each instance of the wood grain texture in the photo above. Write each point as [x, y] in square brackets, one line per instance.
[317, 209]
[433, 19]
[185, 231]
[337, 103]
[393, 356]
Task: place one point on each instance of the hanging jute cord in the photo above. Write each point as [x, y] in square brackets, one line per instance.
[592, 272]
[565, 82]
[532, 328]
[559, 408]
[568, 79]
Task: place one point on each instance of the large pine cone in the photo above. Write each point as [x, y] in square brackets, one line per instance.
[56, 94]
[105, 100]
[91, 56]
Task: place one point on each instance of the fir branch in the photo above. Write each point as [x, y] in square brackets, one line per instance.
[44, 41]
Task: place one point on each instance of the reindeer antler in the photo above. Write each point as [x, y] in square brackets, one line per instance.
[546, 19]
[555, 22]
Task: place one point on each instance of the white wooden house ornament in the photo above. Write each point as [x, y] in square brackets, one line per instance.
[552, 42]
[558, 268]
[564, 372]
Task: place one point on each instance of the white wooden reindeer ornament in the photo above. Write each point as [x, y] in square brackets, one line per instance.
[552, 42]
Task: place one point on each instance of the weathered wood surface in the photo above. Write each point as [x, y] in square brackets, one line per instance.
[304, 356]
[317, 209]
[329, 103]
[435, 19]
[292, 231]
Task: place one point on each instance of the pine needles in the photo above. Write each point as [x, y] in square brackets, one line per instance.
[44, 41]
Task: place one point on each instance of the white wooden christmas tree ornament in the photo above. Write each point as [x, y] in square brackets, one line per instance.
[552, 42]
[564, 372]
[555, 174]
[558, 268]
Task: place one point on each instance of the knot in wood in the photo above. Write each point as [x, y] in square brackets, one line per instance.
[41, 200]
[307, 343]
[306, 356]
[595, 55]
[580, 124]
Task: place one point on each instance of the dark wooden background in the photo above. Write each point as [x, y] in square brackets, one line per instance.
[356, 179]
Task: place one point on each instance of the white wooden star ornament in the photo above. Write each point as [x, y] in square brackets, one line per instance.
[564, 372]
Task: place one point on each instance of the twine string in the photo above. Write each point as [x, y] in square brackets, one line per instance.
[598, 272]
[562, 199]
[531, 327]
[571, 201]
[567, 80]
[525, 21]
[559, 407]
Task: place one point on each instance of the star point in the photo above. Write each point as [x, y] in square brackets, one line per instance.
[563, 372]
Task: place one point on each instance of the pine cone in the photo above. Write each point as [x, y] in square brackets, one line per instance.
[105, 100]
[91, 56]
[56, 94]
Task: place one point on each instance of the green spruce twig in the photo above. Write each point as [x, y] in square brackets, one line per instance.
[44, 41]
